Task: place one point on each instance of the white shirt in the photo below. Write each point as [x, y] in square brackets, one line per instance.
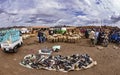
[92, 35]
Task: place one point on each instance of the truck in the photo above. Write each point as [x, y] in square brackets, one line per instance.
[10, 40]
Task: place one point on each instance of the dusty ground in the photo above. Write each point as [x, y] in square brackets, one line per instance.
[108, 59]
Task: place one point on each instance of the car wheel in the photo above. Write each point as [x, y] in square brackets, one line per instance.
[15, 49]
[20, 44]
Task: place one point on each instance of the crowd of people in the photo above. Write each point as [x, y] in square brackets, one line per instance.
[100, 36]
[96, 36]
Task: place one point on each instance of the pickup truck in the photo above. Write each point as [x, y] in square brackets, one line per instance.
[11, 47]
[11, 40]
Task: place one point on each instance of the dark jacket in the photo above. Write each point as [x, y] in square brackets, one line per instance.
[40, 34]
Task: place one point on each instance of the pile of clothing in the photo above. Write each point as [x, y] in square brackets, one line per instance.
[58, 62]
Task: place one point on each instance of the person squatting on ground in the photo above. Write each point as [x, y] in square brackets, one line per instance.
[101, 37]
[92, 38]
[41, 37]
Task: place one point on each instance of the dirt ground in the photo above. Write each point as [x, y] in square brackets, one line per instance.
[108, 58]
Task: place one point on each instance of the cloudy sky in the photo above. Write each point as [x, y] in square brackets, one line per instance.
[59, 12]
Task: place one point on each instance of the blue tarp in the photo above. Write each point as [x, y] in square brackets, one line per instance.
[115, 37]
[9, 35]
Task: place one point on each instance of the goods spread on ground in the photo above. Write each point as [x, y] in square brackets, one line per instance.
[58, 62]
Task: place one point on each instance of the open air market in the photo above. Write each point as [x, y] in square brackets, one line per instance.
[59, 48]
[59, 37]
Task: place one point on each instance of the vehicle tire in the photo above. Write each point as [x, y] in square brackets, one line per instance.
[15, 49]
[20, 44]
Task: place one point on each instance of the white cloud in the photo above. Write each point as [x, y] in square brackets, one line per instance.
[88, 2]
[116, 4]
[78, 12]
